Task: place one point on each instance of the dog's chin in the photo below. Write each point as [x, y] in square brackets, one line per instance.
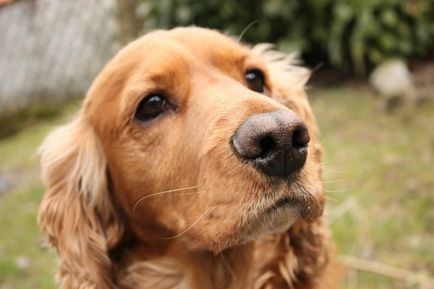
[275, 221]
[278, 215]
[282, 221]
[272, 215]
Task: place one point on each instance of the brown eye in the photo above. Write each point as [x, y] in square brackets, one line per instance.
[151, 107]
[255, 80]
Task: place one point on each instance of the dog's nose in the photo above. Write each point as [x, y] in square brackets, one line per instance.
[275, 142]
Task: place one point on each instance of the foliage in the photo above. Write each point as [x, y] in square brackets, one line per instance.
[351, 35]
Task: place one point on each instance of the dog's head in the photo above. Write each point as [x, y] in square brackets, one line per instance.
[188, 135]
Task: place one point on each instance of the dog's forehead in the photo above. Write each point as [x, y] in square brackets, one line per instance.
[205, 44]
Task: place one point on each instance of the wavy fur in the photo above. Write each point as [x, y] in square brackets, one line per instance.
[96, 170]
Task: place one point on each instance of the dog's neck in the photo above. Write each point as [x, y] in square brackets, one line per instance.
[176, 267]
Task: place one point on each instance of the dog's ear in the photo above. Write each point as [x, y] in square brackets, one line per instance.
[76, 211]
[299, 257]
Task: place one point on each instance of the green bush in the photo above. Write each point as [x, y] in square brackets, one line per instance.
[351, 35]
[364, 33]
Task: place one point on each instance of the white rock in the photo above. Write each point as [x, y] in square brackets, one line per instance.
[392, 78]
[22, 262]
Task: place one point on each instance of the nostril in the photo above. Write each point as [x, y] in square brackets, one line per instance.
[267, 145]
[300, 138]
[274, 142]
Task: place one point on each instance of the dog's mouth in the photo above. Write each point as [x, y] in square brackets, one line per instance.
[281, 203]
[274, 213]
[271, 218]
[306, 206]
[282, 214]
[278, 214]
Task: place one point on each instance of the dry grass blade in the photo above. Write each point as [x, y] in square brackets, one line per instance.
[387, 270]
[336, 213]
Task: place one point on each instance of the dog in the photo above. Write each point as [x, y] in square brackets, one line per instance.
[194, 162]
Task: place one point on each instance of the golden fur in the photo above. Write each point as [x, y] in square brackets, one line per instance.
[166, 203]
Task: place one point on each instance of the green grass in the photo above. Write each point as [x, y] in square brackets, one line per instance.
[19, 236]
[379, 176]
[20, 239]
[380, 180]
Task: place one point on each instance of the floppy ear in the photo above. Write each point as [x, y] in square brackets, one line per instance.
[76, 212]
[299, 257]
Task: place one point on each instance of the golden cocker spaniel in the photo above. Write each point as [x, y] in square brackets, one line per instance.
[193, 163]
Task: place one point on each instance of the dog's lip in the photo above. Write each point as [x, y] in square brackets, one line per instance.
[282, 202]
[308, 209]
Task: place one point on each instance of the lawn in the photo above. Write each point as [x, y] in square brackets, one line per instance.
[380, 181]
[378, 172]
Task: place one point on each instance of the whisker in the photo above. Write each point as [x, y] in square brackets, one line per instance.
[334, 169]
[162, 193]
[191, 226]
[323, 139]
[225, 263]
[334, 181]
[341, 190]
[240, 205]
[247, 28]
[332, 199]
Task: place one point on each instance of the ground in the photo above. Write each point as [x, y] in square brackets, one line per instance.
[378, 172]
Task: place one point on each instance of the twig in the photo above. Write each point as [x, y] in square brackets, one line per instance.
[342, 209]
[387, 270]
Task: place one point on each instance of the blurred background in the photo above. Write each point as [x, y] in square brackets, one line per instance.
[372, 91]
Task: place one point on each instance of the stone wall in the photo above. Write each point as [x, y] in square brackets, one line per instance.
[51, 50]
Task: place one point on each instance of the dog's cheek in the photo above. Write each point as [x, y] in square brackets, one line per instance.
[220, 228]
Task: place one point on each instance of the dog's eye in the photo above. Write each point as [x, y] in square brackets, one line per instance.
[151, 107]
[255, 80]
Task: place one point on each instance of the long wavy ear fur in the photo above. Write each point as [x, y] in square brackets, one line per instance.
[76, 212]
[301, 256]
